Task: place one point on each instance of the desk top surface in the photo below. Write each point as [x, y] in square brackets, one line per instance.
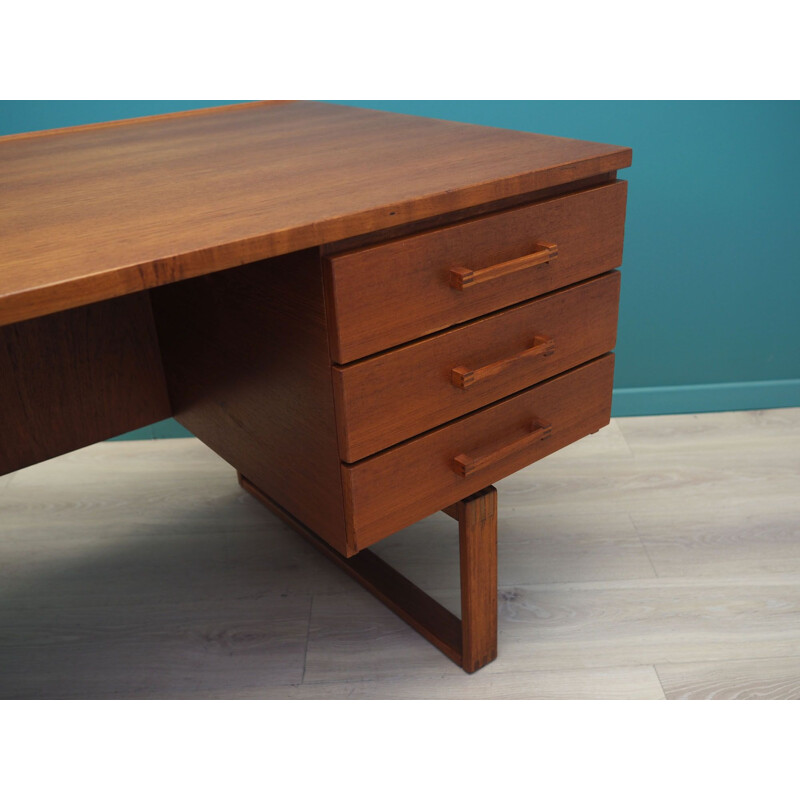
[99, 211]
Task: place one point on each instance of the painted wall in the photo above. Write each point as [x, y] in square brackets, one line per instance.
[710, 309]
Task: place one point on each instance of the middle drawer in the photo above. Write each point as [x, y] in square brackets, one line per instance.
[391, 397]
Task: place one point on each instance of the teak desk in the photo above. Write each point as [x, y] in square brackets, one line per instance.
[370, 316]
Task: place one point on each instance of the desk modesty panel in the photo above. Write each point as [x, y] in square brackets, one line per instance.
[370, 316]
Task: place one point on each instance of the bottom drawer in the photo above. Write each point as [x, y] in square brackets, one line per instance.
[406, 483]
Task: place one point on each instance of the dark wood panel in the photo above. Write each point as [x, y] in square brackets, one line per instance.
[391, 293]
[388, 398]
[406, 483]
[104, 210]
[77, 377]
[246, 358]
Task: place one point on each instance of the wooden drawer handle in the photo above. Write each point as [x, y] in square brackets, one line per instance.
[464, 465]
[463, 376]
[462, 278]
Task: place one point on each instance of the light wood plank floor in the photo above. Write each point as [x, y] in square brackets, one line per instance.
[658, 558]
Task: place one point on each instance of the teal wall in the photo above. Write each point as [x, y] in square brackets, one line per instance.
[20, 116]
[710, 308]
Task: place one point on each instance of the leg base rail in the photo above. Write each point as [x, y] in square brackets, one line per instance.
[470, 641]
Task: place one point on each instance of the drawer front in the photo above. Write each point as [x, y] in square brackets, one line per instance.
[391, 293]
[391, 397]
[400, 486]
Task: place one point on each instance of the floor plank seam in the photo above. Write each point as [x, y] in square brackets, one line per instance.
[308, 638]
[660, 681]
[727, 660]
[646, 584]
[623, 584]
[644, 545]
[494, 673]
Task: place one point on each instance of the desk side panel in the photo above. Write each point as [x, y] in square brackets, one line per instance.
[247, 362]
[71, 379]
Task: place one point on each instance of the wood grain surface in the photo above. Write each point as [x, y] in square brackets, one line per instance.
[77, 377]
[103, 210]
[388, 294]
[246, 357]
[477, 536]
[748, 679]
[385, 399]
[401, 485]
[459, 215]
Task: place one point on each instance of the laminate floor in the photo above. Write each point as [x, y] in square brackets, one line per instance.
[658, 558]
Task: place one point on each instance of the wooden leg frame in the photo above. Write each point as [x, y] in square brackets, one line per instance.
[470, 641]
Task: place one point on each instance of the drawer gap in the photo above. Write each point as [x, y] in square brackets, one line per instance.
[475, 412]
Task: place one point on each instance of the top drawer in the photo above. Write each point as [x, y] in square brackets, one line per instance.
[391, 293]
